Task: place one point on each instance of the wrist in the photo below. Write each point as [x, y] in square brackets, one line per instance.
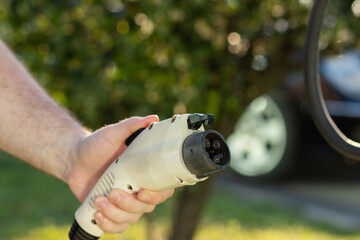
[77, 175]
[72, 144]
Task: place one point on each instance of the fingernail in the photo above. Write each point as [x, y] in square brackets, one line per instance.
[98, 216]
[154, 115]
[100, 203]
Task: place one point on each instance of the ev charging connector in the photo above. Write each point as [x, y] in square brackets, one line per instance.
[167, 154]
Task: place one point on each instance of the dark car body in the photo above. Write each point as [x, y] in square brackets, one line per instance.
[276, 129]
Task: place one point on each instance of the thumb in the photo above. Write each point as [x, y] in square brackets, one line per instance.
[122, 130]
[131, 125]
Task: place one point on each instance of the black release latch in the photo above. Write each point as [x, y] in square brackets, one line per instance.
[133, 136]
[195, 120]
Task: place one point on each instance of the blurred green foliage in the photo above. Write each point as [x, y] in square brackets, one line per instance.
[110, 59]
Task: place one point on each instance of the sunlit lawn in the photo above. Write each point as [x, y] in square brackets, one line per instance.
[36, 206]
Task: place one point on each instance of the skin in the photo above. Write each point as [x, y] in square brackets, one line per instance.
[37, 130]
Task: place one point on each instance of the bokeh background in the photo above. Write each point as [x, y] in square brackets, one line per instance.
[105, 60]
[109, 59]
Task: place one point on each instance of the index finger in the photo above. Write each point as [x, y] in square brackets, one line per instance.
[154, 197]
[129, 202]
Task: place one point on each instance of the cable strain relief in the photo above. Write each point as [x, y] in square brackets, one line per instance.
[77, 233]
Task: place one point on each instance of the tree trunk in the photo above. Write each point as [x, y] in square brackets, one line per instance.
[191, 203]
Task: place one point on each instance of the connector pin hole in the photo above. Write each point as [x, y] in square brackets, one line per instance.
[93, 221]
[129, 187]
[151, 125]
[207, 143]
[217, 158]
[216, 144]
[173, 118]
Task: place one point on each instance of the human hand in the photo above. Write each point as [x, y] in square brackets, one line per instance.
[91, 156]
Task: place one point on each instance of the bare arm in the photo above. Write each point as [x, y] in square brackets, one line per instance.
[34, 128]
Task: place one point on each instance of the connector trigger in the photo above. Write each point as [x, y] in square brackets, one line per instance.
[197, 119]
[133, 136]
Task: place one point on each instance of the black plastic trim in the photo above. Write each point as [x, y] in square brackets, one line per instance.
[77, 233]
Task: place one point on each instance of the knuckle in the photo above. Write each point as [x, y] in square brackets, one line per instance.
[111, 227]
[105, 225]
[114, 228]
[130, 204]
[150, 209]
[112, 231]
[123, 227]
[119, 228]
[163, 196]
[171, 192]
[135, 218]
[119, 198]
[159, 198]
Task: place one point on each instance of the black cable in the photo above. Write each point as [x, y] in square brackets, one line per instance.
[319, 112]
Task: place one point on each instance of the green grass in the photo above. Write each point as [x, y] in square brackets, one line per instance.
[31, 199]
[37, 206]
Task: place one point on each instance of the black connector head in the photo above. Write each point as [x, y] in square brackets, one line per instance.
[206, 153]
[195, 120]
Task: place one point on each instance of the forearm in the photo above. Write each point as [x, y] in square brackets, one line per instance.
[33, 127]
[36, 129]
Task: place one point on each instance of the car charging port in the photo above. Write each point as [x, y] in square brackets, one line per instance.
[206, 153]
